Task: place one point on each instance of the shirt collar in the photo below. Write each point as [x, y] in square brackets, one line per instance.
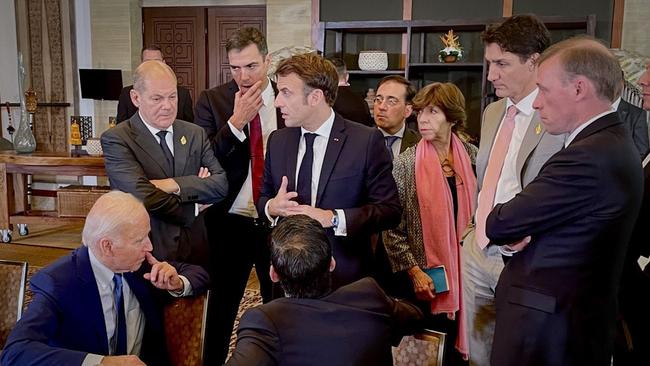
[575, 132]
[103, 275]
[525, 105]
[154, 130]
[616, 103]
[268, 96]
[399, 133]
[325, 129]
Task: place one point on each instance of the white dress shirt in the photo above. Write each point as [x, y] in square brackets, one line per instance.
[135, 320]
[397, 146]
[243, 204]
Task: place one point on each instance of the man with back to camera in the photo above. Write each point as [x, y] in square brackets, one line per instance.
[167, 163]
[328, 168]
[72, 319]
[238, 117]
[348, 104]
[556, 297]
[125, 107]
[353, 325]
[514, 146]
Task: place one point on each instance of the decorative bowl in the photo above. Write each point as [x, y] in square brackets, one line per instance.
[94, 147]
[373, 60]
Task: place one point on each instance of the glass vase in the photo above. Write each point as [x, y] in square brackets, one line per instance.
[24, 141]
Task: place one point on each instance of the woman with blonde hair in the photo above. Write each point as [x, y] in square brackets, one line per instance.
[437, 189]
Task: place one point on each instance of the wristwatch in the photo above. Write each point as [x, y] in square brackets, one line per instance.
[335, 219]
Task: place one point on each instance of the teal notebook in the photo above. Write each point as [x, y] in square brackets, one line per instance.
[439, 277]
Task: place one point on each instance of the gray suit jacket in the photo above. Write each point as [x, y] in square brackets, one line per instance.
[536, 148]
[133, 157]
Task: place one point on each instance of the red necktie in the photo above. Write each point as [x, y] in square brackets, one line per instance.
[257, 155]
[492, 174]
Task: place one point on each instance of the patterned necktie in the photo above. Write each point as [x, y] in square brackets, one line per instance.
[304, 174]
[257, 155]
[390, 140]
[165, 150]
[492, 174]
[118, 341]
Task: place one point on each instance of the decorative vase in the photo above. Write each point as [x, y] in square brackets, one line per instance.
[373, 60]
[450, 58]
[24, 141]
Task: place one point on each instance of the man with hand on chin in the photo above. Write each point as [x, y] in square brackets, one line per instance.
[91, 307]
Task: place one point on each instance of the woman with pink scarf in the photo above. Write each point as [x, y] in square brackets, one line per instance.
[437, 189]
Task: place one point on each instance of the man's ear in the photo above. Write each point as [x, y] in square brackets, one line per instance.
[273, 274]
[135, 98]
[315, 96]
[332, 264]
[408, 110]
[105, 246]
[532, 61]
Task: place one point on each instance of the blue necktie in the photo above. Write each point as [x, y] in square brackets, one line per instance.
[390, 140]
[304, 174]
[118, 341]
[168, 154]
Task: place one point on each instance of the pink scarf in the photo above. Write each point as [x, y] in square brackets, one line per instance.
[441, 239]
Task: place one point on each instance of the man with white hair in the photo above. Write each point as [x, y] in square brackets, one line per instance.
[91, 307]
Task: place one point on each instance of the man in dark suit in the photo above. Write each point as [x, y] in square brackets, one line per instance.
[349, 104]
[338, 172]
[311, 326]
[238, 117]
[556, 297]
[72, 319]
[167, 163]
[125, 107]
[636, 121]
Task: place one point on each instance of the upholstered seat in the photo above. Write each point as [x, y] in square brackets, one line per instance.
[185, 329]
[422, 349]
[12, 287]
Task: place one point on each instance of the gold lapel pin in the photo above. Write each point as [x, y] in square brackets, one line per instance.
[538, 129]
[183, 140]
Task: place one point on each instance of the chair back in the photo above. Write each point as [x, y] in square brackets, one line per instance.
[185, 320]
[426, 348]
[13, 276]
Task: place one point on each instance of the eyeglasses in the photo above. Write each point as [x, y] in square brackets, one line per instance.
[391, 101]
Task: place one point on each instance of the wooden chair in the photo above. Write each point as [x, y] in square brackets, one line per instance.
[422, 349]
[185, 329]
[13, 276]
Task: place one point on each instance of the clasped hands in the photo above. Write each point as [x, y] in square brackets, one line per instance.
[283, 205]
[169, 185]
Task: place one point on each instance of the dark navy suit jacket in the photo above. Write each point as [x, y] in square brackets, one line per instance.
[64, 322]
[356, 176]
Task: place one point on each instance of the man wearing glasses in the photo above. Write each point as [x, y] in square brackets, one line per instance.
[391, 107]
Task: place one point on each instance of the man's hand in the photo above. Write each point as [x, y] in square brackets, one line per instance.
[203, 172]
[282, 201]
[520, 245]
[130, 360]
[422, 284]
[324, 217]
[163, 275]
[247, 105]
[167, 185]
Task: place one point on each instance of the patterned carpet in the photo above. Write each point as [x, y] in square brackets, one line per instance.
[251, 299]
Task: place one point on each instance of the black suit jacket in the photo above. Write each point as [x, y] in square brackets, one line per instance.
[126, 109]
[213, 109]
[580, 211]
[635, 119]
[356, 176]
[354, 325]
[410, 138]
[352, 107]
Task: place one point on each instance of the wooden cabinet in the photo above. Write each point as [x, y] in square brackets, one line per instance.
[412, 47]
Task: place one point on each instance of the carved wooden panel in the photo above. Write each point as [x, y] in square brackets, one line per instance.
[180, 33]
[222, 22]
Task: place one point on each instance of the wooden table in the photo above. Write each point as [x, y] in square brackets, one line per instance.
[14, 169]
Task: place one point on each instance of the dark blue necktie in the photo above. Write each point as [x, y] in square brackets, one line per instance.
[304, 174]
[390, 140]
[166, 151]
[118, 341]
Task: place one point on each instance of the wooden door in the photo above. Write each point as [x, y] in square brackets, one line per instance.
[180, 33]
[222, 22]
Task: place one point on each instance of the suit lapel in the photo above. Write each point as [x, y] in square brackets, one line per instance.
[410, 139]
[531, 138]
[292, 157]
[89, 292]
[143, 137]
[181, 144]
[334, 146]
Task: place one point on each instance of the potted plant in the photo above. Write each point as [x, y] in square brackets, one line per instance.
[452, 51]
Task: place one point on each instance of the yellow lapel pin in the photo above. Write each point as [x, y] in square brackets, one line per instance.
[538, 129]
[184, 140]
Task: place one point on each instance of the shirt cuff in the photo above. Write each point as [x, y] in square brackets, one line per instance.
[187, 288]
[92, 360]
[240, 135]
[341, 229]
[274, 221]
[507, 252]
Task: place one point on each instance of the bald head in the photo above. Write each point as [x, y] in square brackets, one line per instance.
[155, 93]
[150, 70]
[116, 231]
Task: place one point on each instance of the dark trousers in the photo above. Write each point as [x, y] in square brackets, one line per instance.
[236, 244]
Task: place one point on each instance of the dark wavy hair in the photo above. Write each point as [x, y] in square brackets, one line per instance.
[523, 35]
